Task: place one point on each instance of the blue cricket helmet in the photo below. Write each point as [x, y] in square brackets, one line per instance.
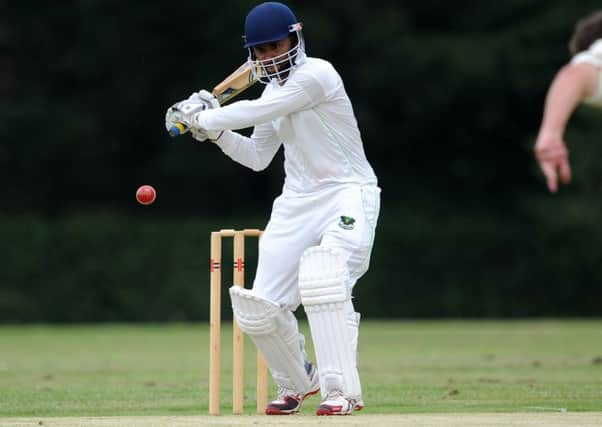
[267, 23]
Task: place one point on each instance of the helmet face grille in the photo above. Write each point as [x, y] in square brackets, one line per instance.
[279, 67]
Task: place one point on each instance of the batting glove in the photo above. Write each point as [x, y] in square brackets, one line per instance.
[184, 112]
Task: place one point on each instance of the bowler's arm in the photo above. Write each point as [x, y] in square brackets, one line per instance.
[573, 84]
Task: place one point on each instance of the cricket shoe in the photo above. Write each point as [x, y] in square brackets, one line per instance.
[289, 402]
[336, 404]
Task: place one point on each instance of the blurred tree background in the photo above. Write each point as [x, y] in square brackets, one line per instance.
[448, 96]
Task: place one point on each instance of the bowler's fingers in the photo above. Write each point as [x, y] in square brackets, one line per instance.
[554, 163]
[549, 170]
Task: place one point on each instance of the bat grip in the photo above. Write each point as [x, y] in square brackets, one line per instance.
[177, 130]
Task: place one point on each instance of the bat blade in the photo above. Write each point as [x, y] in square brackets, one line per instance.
[241, 79]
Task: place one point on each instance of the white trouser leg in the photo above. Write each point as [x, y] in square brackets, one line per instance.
[275, 333]
[323, 285]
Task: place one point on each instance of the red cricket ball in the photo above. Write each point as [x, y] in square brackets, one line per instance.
[146, 195]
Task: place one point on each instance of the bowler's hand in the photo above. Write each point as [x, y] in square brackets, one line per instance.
[553, 158]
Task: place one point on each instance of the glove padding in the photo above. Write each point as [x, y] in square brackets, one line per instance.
[203, 135]
[184, 112]
[208, 98]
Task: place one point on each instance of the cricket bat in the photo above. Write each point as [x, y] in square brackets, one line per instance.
[240, 80]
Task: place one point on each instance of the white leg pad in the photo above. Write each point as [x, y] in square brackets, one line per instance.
[323, 285]
[275, 333]
[353, 324]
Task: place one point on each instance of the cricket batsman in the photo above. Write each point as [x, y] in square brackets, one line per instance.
[320, 234]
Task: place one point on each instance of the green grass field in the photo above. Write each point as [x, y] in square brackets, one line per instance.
[406, 367]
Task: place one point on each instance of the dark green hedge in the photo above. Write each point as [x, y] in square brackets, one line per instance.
[426, 263]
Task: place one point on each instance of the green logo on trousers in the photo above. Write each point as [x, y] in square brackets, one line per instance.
[347, 222]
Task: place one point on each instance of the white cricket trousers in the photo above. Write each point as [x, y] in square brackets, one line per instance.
[342, 217]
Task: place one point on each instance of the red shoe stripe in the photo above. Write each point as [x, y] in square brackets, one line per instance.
[329, 410]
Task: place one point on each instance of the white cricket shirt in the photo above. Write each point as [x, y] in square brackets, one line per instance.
[311, 115]
[593, 56]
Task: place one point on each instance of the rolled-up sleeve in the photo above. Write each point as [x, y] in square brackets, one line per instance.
[592, 56]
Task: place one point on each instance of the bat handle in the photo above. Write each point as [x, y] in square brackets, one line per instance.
[177, 130]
